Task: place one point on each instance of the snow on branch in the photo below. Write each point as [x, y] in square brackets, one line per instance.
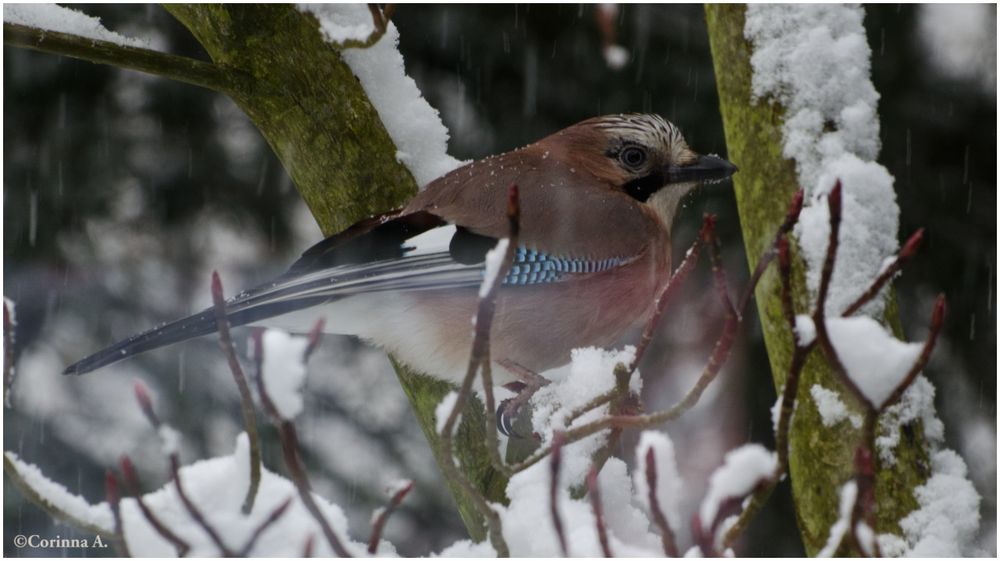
[415, 127]
[815, 60]
[52, 17]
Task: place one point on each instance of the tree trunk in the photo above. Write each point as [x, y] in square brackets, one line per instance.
[821, 458]
[315, 115]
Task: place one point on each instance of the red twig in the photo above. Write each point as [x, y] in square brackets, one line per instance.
[193, 510]
[671, 287]
[275, 515]
[246, 399]
[594, 492]
[666, 532]
[937, 322]
[307, 548]
[909, 250]
[146, 404]
[554, 466]
[135, 488]
[290, 450]
[314, 338]
[114, 499]
[480, 357]
[819, 314]
[8, 351]
[791, 217]
[383, 517]
[484, 323]
[789, 394]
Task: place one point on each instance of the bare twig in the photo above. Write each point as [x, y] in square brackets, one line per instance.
[819, 314]
[484, 323]
[555, 463]
[379, 525]
[864, 476]
[791, 217]
[135, 488]
[788, 396]
[480, 357]
[671, 287]
[114, 499]
[380, 22]
[8, 351]
[246, 399]
[290, 450]
[183, 69]
[718, 357]
[909, 250]
[937, 322]
[314, 338]
[193, 510]
[146, 404]
[275, 515]
[307, 548]
[593, 490]
[719, 354]
[666, 532]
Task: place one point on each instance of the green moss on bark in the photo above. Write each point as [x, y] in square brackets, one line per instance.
[821, 458]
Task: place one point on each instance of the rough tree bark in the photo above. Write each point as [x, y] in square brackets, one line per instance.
[821, 458]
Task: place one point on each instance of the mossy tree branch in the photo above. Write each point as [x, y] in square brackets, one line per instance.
[821, 457]
[183, 69]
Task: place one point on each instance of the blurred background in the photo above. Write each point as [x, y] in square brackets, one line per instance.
[122, 192]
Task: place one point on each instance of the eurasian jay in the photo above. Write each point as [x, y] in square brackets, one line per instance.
[597, 202]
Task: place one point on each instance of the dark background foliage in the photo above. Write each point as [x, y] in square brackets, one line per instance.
[92, 152]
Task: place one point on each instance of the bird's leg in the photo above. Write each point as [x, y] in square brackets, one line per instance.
[529, 383]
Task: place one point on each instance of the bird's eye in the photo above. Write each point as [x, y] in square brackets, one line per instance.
[632, 156]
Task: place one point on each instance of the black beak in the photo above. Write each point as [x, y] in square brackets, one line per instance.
[706, 169]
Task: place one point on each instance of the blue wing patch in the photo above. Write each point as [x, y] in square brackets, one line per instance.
[534, 267]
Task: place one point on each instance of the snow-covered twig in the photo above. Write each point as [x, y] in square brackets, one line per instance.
[173, 458]
[555, 462]
[291, 452]
[594, 491]
[246, 399]
[384, 513]
[135, 488]
[113, 496]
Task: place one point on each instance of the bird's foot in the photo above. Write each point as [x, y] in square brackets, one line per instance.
[529, 384]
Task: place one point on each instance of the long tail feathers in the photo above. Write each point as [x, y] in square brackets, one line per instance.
[202, 323]
[192, 326]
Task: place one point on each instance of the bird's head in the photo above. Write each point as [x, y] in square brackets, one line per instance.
[642, 155]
